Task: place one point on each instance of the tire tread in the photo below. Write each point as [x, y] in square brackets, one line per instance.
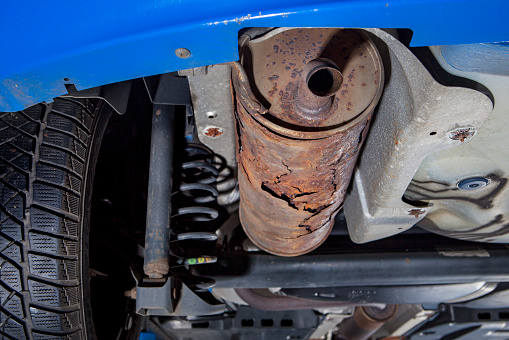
[43, 159]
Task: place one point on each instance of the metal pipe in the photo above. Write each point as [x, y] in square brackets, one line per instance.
[322, 79]
[241, 270]
[157, 242]
[414, 294]
[365, 321]
[271, 302]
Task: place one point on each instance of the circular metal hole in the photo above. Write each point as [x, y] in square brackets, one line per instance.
[321, 82]
[211, 114]
[324, 81]
[66, 79]
[433, 133]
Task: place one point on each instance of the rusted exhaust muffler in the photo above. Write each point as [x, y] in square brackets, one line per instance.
[365, 321]
[304, 99]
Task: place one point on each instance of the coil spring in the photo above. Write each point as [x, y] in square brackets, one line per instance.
[197, 215]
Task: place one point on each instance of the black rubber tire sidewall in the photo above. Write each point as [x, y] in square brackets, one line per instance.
[100, 125]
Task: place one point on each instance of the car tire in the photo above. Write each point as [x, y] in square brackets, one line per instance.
[48, 155]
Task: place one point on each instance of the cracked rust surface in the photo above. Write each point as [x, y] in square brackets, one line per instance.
[293, 181]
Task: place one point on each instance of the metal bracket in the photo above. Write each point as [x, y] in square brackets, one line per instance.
[155, 300]
[162, 301]
[168, 89]
[116, 95]
[213, 109]
[412, 120]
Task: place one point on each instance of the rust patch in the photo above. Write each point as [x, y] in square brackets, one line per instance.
[295, 164]
[213, 132]
[416, 212]
[296, 96]
[156, 269]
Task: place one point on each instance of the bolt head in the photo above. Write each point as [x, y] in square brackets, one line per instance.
[212, 131]
[473, 183]
[182, 53]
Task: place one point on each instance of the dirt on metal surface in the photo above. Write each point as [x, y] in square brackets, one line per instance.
[157, 269]
[301, 121]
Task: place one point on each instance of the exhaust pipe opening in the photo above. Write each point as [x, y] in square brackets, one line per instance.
[324, 78]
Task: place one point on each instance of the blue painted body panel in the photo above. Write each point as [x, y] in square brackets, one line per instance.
[484, 58]
[147, 336]
[95, 42]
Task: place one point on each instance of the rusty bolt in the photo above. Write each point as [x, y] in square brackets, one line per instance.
[416, 212]
[461, 133]
[182, 53]
[212, 131]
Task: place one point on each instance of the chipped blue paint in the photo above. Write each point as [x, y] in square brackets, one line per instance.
[97, 42]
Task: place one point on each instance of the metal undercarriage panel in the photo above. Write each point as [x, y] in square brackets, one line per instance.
[415, 118]
[479, 214]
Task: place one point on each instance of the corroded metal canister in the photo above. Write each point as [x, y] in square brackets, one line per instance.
[365, 321]
[304, 100]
